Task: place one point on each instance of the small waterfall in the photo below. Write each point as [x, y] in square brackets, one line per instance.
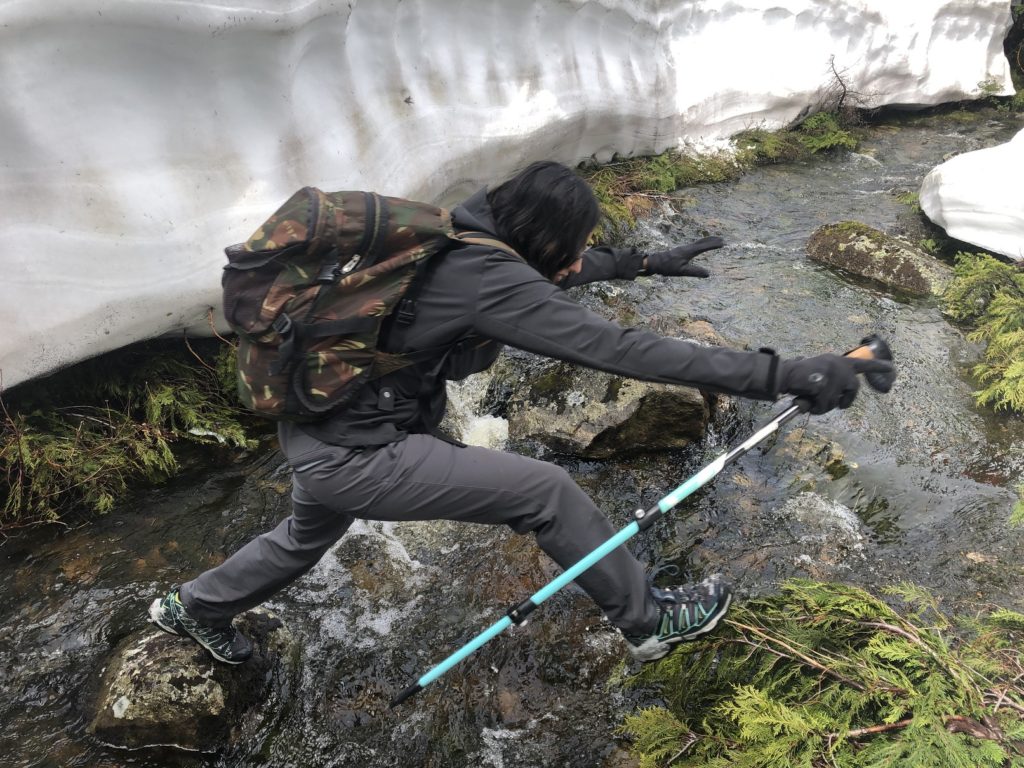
[465, 418]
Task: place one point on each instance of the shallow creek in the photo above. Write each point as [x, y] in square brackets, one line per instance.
[915, 486]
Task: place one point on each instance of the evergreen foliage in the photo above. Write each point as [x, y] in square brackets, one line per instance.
[823, 132]
[829, 675]
[79, 439]
[989, 294]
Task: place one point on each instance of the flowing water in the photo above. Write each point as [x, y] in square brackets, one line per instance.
[915, 485]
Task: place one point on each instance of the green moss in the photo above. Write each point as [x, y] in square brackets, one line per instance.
[966, 116]
[759, 147]
[830, 675]
[823, 132]
[627, 189]
[549, 385]
[80, 439]
[854, 228]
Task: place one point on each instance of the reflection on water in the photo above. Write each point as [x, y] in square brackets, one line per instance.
[914, 485]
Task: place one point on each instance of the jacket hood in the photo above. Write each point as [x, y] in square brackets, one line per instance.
[475, 214]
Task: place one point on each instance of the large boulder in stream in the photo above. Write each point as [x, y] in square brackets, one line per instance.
[857, 248]
[595, 415]
[163, 691]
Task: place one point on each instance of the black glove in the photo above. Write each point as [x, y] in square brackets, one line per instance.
[676, 261]
[826, 381]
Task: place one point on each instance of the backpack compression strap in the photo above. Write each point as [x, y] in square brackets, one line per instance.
[386, 362]
[482, 238]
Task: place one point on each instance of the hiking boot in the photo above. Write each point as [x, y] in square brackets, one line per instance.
[686, 614]
[225, 644]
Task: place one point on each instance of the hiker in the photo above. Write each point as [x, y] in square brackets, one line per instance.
[382, 457]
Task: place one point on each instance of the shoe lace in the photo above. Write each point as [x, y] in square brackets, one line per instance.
[671, 596]
[659, 568]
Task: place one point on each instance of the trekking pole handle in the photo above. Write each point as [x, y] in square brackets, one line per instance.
[874, 347]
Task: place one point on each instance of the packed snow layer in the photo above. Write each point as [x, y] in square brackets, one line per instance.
[978, 197]
[139, 137]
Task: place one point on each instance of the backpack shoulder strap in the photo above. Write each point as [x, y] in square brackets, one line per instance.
[482, 238]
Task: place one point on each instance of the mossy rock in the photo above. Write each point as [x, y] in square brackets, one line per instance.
[164, 691]
[860, 250]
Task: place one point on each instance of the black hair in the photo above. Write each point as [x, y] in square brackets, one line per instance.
[546, 212]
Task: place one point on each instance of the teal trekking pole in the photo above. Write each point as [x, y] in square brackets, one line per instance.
[871, 348]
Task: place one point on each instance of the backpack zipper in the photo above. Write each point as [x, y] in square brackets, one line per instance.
[369, 235]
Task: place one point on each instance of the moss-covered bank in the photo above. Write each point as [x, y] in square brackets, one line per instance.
[77, 441]
[629, 188]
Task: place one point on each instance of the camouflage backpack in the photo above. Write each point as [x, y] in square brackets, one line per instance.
[307, 295]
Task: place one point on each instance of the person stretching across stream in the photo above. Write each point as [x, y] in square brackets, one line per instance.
[383, 457]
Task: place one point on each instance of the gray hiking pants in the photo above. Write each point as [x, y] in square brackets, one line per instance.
[422, 478]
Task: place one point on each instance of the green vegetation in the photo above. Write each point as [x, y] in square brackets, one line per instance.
[824, 132]
[760, 147]
[630, 188]
[1017, 516]
[80, 439]
[989, 295]
[913, 199]
[627, 189]
[989, 87]
[829, 675]
[989, 90]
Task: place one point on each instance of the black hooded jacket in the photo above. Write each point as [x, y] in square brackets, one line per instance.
[471, 300]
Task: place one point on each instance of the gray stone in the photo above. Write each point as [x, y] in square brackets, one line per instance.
[588, 413]
[161, 690]
[861, 250]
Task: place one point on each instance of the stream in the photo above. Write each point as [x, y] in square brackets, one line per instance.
[916, 485]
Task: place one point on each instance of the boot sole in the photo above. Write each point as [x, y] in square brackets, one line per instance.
[154, 617]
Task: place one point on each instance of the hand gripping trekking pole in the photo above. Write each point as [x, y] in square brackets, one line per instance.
[871, 348]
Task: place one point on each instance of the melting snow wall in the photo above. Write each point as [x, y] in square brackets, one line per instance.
[139, 137]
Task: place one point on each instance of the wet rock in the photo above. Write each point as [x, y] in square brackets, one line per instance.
[597, 415]
[828, 533]
[861, 250]
[160, 690]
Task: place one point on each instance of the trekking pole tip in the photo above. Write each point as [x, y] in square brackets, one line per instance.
[412, 690]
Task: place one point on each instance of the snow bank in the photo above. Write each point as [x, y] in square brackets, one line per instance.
[138, 137]
[978, 197]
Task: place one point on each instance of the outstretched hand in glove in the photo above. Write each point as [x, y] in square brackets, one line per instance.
[676, 261]
[827, 381]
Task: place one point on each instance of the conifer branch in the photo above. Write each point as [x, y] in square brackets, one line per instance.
[871, 730]
[797, 655]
